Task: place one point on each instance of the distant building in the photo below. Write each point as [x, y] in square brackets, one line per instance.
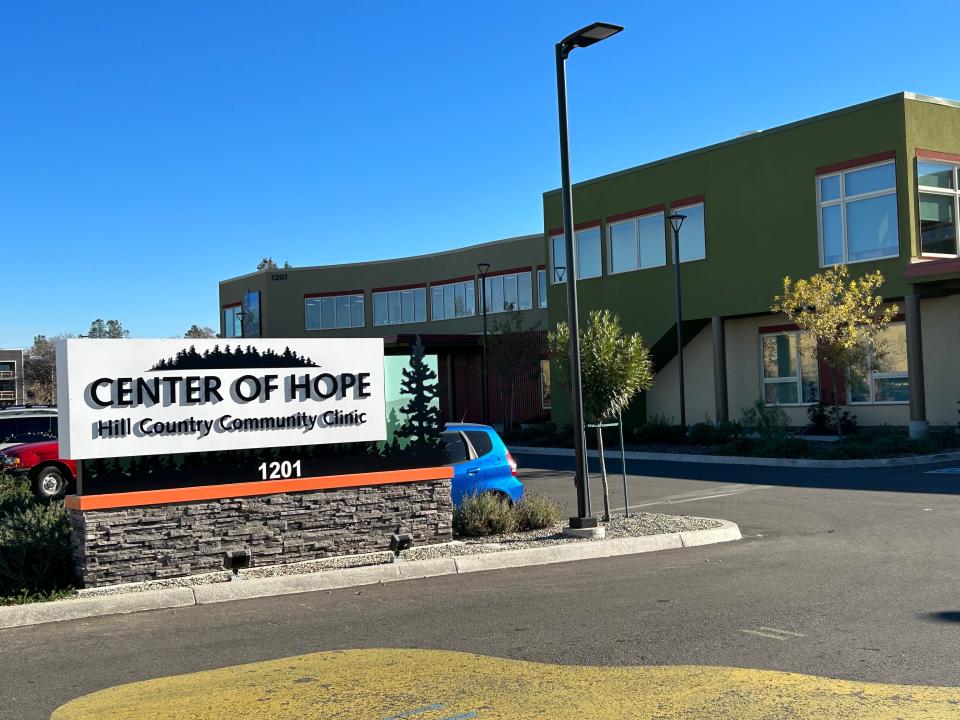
[436, 296]
[11, 377]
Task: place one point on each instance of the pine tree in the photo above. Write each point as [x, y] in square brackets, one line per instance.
[422, 425]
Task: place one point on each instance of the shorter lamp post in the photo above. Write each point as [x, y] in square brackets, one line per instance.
[483, 269]
[676, 220]
[240, 316]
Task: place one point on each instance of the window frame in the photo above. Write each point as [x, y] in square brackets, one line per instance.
[635, 219]
[350, 295]
[486, 295]
[678, 210]
[386, 292]
[576, 253]
[871, 374]
[844, 199]
[233, 308]
[953, 192]
[453, 284]
[542, 289]
[797, 379]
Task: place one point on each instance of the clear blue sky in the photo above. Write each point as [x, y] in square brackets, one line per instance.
[150, 149]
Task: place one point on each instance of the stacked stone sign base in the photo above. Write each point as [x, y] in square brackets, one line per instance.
[134, 544]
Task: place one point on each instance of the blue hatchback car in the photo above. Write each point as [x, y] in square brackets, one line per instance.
[481, 462]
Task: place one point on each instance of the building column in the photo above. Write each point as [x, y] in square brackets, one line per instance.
[918, 404]
[720, 369]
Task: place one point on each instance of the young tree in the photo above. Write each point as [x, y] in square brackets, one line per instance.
[269, 264]
[109, 329]
[40, 370]
[421, 425]
[508, 345]
[196, 331]
[614, 367]
[843, 318]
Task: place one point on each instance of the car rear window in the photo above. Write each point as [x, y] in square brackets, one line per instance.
[455, 447]
[481, 441]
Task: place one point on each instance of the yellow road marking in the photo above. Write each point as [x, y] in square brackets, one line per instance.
[441, 685]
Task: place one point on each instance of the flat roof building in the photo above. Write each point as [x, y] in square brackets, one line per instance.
[875, 186]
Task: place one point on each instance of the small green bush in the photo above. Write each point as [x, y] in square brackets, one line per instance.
[35, 552]
[708, 433]
[767, 421]
[658, 430]
[536, 511]
[483, 514]
[782, 447]
[846, 450]
[739, 446]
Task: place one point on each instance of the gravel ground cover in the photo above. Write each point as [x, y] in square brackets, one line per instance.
[638, 524]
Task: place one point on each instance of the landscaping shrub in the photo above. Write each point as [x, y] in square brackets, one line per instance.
[35, 553]
[782, 447]
[658, 430]
[737, 446]
[701, 433]
[536, 511]
[483, 514]
[767, 421]
[707, 433]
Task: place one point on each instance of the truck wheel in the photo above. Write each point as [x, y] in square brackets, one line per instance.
[50, 483]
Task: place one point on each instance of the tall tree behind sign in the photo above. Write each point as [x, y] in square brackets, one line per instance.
[421, 427]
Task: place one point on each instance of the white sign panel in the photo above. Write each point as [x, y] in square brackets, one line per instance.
[153, 397]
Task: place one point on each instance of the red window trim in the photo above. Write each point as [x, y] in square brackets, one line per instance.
[511, 271]
[451, 281]
[687, 202]
[786, 327]
[333, 293]
[587, 225]
[230, 305]
[938, 155]
[932, 267]
[636, 213]
[856, 162]
[399, 287]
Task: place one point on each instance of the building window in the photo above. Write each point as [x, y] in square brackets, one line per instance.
[544, 384]
[939, 187]
[231, 321]
[509, 292]
[788, 363]
[452, 300]
[637, 243]
[542, 288]
[884, 378]
[587, 247]
[392, 307]
[858, 214]
[693, 243]
[334, 311]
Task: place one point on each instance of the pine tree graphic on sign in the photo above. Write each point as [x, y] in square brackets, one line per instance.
[422, 413]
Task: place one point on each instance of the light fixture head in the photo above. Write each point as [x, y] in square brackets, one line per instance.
[676, 220]
[482, 268]
[586, 36]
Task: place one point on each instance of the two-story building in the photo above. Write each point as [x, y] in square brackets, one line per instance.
[873, 186]
[11, 377]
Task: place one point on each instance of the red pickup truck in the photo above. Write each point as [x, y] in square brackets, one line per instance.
[49, 474]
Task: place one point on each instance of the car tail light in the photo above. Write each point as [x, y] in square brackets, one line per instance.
[512, 463]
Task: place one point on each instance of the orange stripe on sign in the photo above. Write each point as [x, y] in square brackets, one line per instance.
[250, 489]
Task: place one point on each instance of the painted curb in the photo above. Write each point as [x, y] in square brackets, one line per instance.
[75, 609]
[249, 588]
[742, 460]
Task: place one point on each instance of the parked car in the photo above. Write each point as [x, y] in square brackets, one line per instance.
[27, 424]
[481, 462]
[49, 474]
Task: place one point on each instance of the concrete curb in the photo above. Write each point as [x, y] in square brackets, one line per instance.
[245, 589]
[741, 460]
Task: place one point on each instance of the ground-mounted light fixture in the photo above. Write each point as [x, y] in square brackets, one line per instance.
[676, 221]
[236, 560]
[400, 542]
[584, 37]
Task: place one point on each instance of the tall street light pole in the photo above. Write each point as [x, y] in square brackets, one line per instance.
[483, 269]
[676, 220]
[584, 37]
